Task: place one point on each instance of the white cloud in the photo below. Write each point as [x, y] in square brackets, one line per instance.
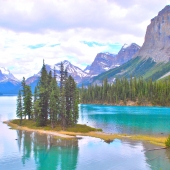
[61, 27]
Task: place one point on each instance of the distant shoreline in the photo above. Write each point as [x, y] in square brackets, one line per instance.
[107, 137]
[128, 103]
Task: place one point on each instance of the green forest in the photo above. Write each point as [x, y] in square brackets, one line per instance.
[54, 103]
[123, 90]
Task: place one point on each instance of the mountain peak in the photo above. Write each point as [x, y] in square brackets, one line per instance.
[157, 38]
[132, 45]
[126, 53]
[166, 9]
[66, 62]
[4, 71]
[6, 75]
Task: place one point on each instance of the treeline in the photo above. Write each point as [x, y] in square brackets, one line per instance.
[138, 90]
[51, 103]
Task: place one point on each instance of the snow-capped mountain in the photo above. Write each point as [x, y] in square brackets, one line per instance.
[72, 70]
[8, 83]
[106, 61]
[7, 76]
[101, 63]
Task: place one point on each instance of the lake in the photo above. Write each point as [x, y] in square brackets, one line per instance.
[21, 150]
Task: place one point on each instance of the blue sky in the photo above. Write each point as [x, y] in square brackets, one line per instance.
[73, 30]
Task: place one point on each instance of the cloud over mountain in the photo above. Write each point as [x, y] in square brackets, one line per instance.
[55, 30]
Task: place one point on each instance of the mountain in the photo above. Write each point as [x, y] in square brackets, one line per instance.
[6, 75]
[101, 63]
[8, 83]
[106, 61]
[153, 58]
[157, 38]
[72, 70]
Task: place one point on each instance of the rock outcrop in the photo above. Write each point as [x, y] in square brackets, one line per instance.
[157, 38]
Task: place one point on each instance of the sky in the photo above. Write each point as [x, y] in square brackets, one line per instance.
[74, 30]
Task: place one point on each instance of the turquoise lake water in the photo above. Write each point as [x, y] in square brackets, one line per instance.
[127, 119]
[21, 150]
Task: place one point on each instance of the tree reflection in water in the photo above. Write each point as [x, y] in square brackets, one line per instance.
[47, 151]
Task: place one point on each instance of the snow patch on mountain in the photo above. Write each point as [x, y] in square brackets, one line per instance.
[7, 76]
[72, 70]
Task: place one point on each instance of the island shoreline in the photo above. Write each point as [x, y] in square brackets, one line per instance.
[107, 137]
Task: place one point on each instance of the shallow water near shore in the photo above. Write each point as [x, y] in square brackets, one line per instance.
[29, 150]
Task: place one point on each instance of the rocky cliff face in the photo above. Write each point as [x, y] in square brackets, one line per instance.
[126, 53]
[101, 63]
[157, 38]
[106, 61]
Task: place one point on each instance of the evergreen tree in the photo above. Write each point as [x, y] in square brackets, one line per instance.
[62, 108]
[27, 99]
[50, 102]
[28, 102]
[35, 104]
[54, 103]
[122, 90]
[43, 93]
[23, 83]
[62, 76]
[19, 111]
[71, 94]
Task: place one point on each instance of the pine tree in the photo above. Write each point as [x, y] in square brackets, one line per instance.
[23, 83]
[19, 111]
[54, 103]
[62, 76]
[62, 108]
[58, 104]
[63, 102]
[28, 102]
[71, 102]
[43, 93]
[27, 99]
[35, 104]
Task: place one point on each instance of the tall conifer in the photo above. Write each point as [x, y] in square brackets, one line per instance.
[19, 111]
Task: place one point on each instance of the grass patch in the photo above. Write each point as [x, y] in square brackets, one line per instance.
[152, 139]
[82, 128]
[76, 128]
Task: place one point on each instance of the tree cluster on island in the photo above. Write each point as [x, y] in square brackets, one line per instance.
[51, 103]
[134, 89]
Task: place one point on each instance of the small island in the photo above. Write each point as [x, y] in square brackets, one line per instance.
[53, 108]
[83, 130]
